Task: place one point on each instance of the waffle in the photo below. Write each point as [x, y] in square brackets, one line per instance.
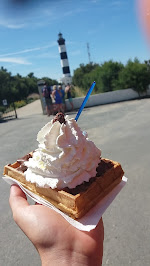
[78, 201]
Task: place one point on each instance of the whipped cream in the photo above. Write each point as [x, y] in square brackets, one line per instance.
[65, 156]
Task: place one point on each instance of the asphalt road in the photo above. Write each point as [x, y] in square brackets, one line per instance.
[122, 132]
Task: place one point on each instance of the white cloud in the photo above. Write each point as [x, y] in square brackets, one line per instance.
[30, 50]
[11, 24]
[16, 26]
[15, 60]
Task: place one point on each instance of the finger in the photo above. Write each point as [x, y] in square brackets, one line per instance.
[17, 201]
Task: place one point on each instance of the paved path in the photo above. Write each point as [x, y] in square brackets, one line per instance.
[30, 109]
[122, 132]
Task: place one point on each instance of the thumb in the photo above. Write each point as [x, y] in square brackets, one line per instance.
[17, 201]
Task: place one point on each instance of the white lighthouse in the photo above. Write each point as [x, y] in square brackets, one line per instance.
[64, 60]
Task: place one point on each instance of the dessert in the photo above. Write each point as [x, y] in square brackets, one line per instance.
[67, 168]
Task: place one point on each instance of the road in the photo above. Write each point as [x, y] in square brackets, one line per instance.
[122, 132]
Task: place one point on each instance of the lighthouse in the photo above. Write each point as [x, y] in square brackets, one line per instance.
[64, 60]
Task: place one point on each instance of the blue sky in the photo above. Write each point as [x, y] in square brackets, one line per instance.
[29, 33]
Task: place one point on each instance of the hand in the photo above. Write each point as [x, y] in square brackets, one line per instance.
[57, 242]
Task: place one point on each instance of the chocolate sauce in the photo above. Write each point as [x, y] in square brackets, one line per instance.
[24, 158]
[103, 166]
[22, 168]
[59, 117]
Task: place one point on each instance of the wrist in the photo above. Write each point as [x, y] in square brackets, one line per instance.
[81, 248]
[67, 258]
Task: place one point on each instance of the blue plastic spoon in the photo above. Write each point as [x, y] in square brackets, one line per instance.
[85, 100]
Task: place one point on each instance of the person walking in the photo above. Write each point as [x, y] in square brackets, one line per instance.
[69, 96]
[57, 96]
[63, 98]
[46, 92]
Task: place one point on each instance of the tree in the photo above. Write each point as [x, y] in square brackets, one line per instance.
[49, 81]
[5, 85]
[80, 72]
[109, 74]
[105, 76]
[30, 75]
[88, 79]
[135, 75]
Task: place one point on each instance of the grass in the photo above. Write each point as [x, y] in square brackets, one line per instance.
[78, 92]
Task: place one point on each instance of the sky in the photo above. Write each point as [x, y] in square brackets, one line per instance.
[29, 34]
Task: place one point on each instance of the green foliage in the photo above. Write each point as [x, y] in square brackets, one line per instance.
[135, 75]
[20, 103]
[111, 76]
[17, 88]
[2, 109]
[50, 82]
[78, 92]
[79, 73]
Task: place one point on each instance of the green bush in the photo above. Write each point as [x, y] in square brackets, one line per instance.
[30, 100]
[2, 109]
[20, 103]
